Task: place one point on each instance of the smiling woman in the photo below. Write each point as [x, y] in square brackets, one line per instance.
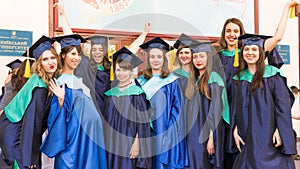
[262, 88]
[73, 111]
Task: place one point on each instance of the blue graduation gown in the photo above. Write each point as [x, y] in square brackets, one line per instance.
[102, 84]
[167, 100]
[227, 72]
[20, 140]
[79, 143]
[204, 115]
[259, 113]
[127, 113]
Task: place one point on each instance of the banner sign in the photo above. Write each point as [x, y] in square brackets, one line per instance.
[284, 51]
[14, 42]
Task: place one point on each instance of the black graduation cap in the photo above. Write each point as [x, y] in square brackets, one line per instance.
[201, 47]
[14, 64]
[156, 43]
[98, 39]
[184, 40]
[70, 40]
[253, 39]
[35, 51]
[127, 55]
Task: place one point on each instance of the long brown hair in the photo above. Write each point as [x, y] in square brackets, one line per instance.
[17, 79]
[236, 21]
[202, 84]
[260, 65]
[165, 69]
[38, 68]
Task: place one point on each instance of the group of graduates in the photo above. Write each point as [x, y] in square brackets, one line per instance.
[218, 109]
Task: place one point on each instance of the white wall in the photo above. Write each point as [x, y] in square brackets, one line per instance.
[269, 16]
[29, 15]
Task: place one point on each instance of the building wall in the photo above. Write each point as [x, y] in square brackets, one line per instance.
[269, 16]
[32, 15]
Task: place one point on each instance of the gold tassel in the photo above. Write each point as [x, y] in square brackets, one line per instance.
[292, 12]
[236, 55]
[27, 66]
[110, 59]
[171, 58]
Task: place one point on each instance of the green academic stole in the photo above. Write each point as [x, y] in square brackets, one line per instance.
[15, 110]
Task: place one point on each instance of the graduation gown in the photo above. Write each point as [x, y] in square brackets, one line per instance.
[23, 123]
[259, 113]
[203, 115]
[227, 72]
[102, 84]
[80, 143]
[127, 113]
[183, 78]
[169, 151]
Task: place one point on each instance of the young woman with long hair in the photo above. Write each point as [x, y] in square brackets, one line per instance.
[263, 129]
[24, 119]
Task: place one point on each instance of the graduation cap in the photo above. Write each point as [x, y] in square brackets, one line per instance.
[127, 55]
[184, 40]
[70, 40]
[97, 39]
[156, 43]
[201, 47]
[14, 64]
[273, 56]
[35, 51]
[253, 39]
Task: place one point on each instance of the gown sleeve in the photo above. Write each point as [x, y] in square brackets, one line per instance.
[144, 115]
[54, 143]
[33, 126]
[176, 156]
[215, 122]
[282, 99]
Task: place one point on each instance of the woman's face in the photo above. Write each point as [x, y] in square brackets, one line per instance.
[232, 32]
[72, 59]
[200, 60]
[97, 53]
[251, 54]
[185, 56]
[123, 75]
[48, 62]
[156, 59]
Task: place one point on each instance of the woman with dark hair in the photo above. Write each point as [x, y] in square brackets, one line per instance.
[24, 119]
[228, 56]
[73, 114]
[263, 129]
[14, 82]
[163, 89]
[126, 104]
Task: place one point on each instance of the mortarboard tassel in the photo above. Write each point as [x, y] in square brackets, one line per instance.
[172, 56]
[292, 12]
[27, 66]
[236, 55]
[110, 59]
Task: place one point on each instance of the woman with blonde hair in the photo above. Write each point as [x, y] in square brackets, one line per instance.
[24, 119]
